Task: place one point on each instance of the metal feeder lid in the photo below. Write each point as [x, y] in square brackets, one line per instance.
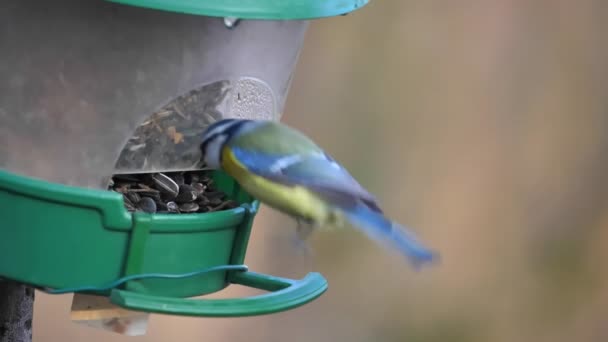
[254, 9]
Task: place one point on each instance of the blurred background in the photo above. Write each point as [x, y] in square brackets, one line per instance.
[482, 125]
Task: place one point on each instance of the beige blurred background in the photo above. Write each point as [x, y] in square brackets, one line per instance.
[481, 124]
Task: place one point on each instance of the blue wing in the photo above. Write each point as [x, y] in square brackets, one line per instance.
[316, 171]
[323, 175]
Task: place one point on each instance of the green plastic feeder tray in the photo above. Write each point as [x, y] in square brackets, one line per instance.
[70, 237]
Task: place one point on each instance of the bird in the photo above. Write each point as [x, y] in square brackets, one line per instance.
[286, 170]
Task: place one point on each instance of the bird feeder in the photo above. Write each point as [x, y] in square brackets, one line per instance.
[91, 89]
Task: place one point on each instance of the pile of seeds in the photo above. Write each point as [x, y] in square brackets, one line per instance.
[171, 192]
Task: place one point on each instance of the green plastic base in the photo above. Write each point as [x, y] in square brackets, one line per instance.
[254, 9]
[57, 236]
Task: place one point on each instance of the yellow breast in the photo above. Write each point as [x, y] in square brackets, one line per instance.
[295, 201]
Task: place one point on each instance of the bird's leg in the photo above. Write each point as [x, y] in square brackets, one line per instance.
[303, 231]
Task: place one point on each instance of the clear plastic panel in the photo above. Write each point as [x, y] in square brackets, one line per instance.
[91, 88]
[169, 139]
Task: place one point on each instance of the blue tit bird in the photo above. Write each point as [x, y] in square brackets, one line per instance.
[287, 171]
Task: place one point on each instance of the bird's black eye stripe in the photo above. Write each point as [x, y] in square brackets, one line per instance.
[228, 132]
[206, 142]
[231, 131]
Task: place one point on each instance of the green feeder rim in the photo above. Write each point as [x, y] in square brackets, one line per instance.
[254, 9]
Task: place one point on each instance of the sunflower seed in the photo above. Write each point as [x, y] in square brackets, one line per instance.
[190, 178]
[215, 201]
[172, 207]
[147, 205]
[128, 204]
[186, 194]
[199, 188]
[166, 185]
[188, 207]
[161, 206]
[133, 196]
[214, 194]
[179, 178]
[146, 192]
[202, 200]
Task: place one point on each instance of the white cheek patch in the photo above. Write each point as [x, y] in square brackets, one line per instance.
[213, 152]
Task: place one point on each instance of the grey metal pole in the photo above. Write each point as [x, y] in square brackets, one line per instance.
[16, 311]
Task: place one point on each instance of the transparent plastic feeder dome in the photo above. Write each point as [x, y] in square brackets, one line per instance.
[93, 88]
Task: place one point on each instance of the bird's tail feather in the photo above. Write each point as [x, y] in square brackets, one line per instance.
[378, 227]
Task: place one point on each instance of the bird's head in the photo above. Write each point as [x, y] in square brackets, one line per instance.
[217, 135]
[214, 138]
